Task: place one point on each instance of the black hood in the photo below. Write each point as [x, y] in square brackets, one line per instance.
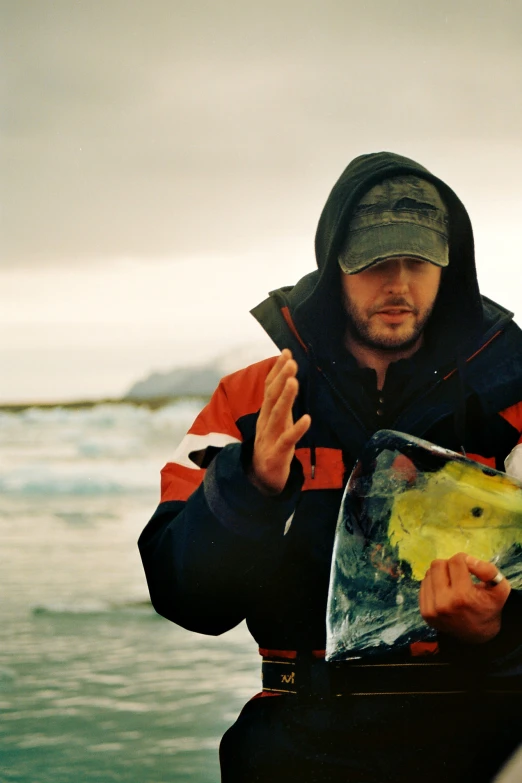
[309, 318]
[457, 323]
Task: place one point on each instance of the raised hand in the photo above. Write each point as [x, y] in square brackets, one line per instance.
[276, 432]
[451, 602]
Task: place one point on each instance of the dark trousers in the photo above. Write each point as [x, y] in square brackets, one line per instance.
[372, 739]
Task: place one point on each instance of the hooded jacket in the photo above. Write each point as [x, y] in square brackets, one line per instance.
[217, 551]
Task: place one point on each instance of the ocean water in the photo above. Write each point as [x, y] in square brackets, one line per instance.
[94, 686]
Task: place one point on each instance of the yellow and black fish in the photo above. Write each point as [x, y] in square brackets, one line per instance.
[458, 508]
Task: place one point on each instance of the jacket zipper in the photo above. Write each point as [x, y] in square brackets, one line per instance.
[446, 377]
[403, 415]
[344, 401]
[308, 348]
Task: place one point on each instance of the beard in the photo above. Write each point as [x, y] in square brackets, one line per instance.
[371, 334]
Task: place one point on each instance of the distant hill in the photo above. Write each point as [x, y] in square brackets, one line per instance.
[199, 379]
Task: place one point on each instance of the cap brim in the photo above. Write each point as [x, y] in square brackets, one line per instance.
[368, 246]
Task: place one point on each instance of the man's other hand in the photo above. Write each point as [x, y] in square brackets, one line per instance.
[451, 602]
[276, 432]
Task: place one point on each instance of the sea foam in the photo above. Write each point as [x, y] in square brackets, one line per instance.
[103, 450]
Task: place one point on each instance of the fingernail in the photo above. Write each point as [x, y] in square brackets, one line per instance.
[472, 561]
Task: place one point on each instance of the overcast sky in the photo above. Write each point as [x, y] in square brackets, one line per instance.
[164, 163]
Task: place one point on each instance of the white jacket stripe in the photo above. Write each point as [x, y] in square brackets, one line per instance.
[200, 443]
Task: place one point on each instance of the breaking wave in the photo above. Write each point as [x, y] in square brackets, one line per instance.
[104, 450]
[95, 607]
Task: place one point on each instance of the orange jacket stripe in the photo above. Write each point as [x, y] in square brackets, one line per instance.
[288, 318]
[423, 649]
[513, 415]
[469, 359]
[490, 462]
[179, 482]
[289, 655]
[417, 650]
[329, 468]
[237, 395]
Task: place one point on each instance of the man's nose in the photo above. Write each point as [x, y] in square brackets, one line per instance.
[397, 279]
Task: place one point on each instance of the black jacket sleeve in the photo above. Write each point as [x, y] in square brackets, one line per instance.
[203, 557]
[503, 653]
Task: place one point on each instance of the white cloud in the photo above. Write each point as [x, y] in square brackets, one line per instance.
[204, 137]
[75, 333]
[173, 128]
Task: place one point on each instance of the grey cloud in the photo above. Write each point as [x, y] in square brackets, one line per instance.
[166, 128]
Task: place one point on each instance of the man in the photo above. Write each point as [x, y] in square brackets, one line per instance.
[389, 332]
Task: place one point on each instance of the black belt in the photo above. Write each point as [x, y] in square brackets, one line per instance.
[320, 679]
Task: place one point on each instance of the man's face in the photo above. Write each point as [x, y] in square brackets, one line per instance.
[389, 303]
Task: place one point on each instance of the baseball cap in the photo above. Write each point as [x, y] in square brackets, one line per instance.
[400, 216]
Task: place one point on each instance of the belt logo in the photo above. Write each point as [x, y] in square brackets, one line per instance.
[288, 679]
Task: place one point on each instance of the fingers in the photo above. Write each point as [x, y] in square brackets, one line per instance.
[450, 601]
[440, 575]
[294, 434]
[281, 360]
[278, 417]
[450, 583]
[279, 426]
[455, 572]
[452, 574]
[276, 383]
[284, 367]
[426, 598]
[276, 432]
[481, 568]
[446, 587]
[459, 575]
[486, 572]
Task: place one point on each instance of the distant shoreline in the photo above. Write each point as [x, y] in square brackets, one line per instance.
[152, 403]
